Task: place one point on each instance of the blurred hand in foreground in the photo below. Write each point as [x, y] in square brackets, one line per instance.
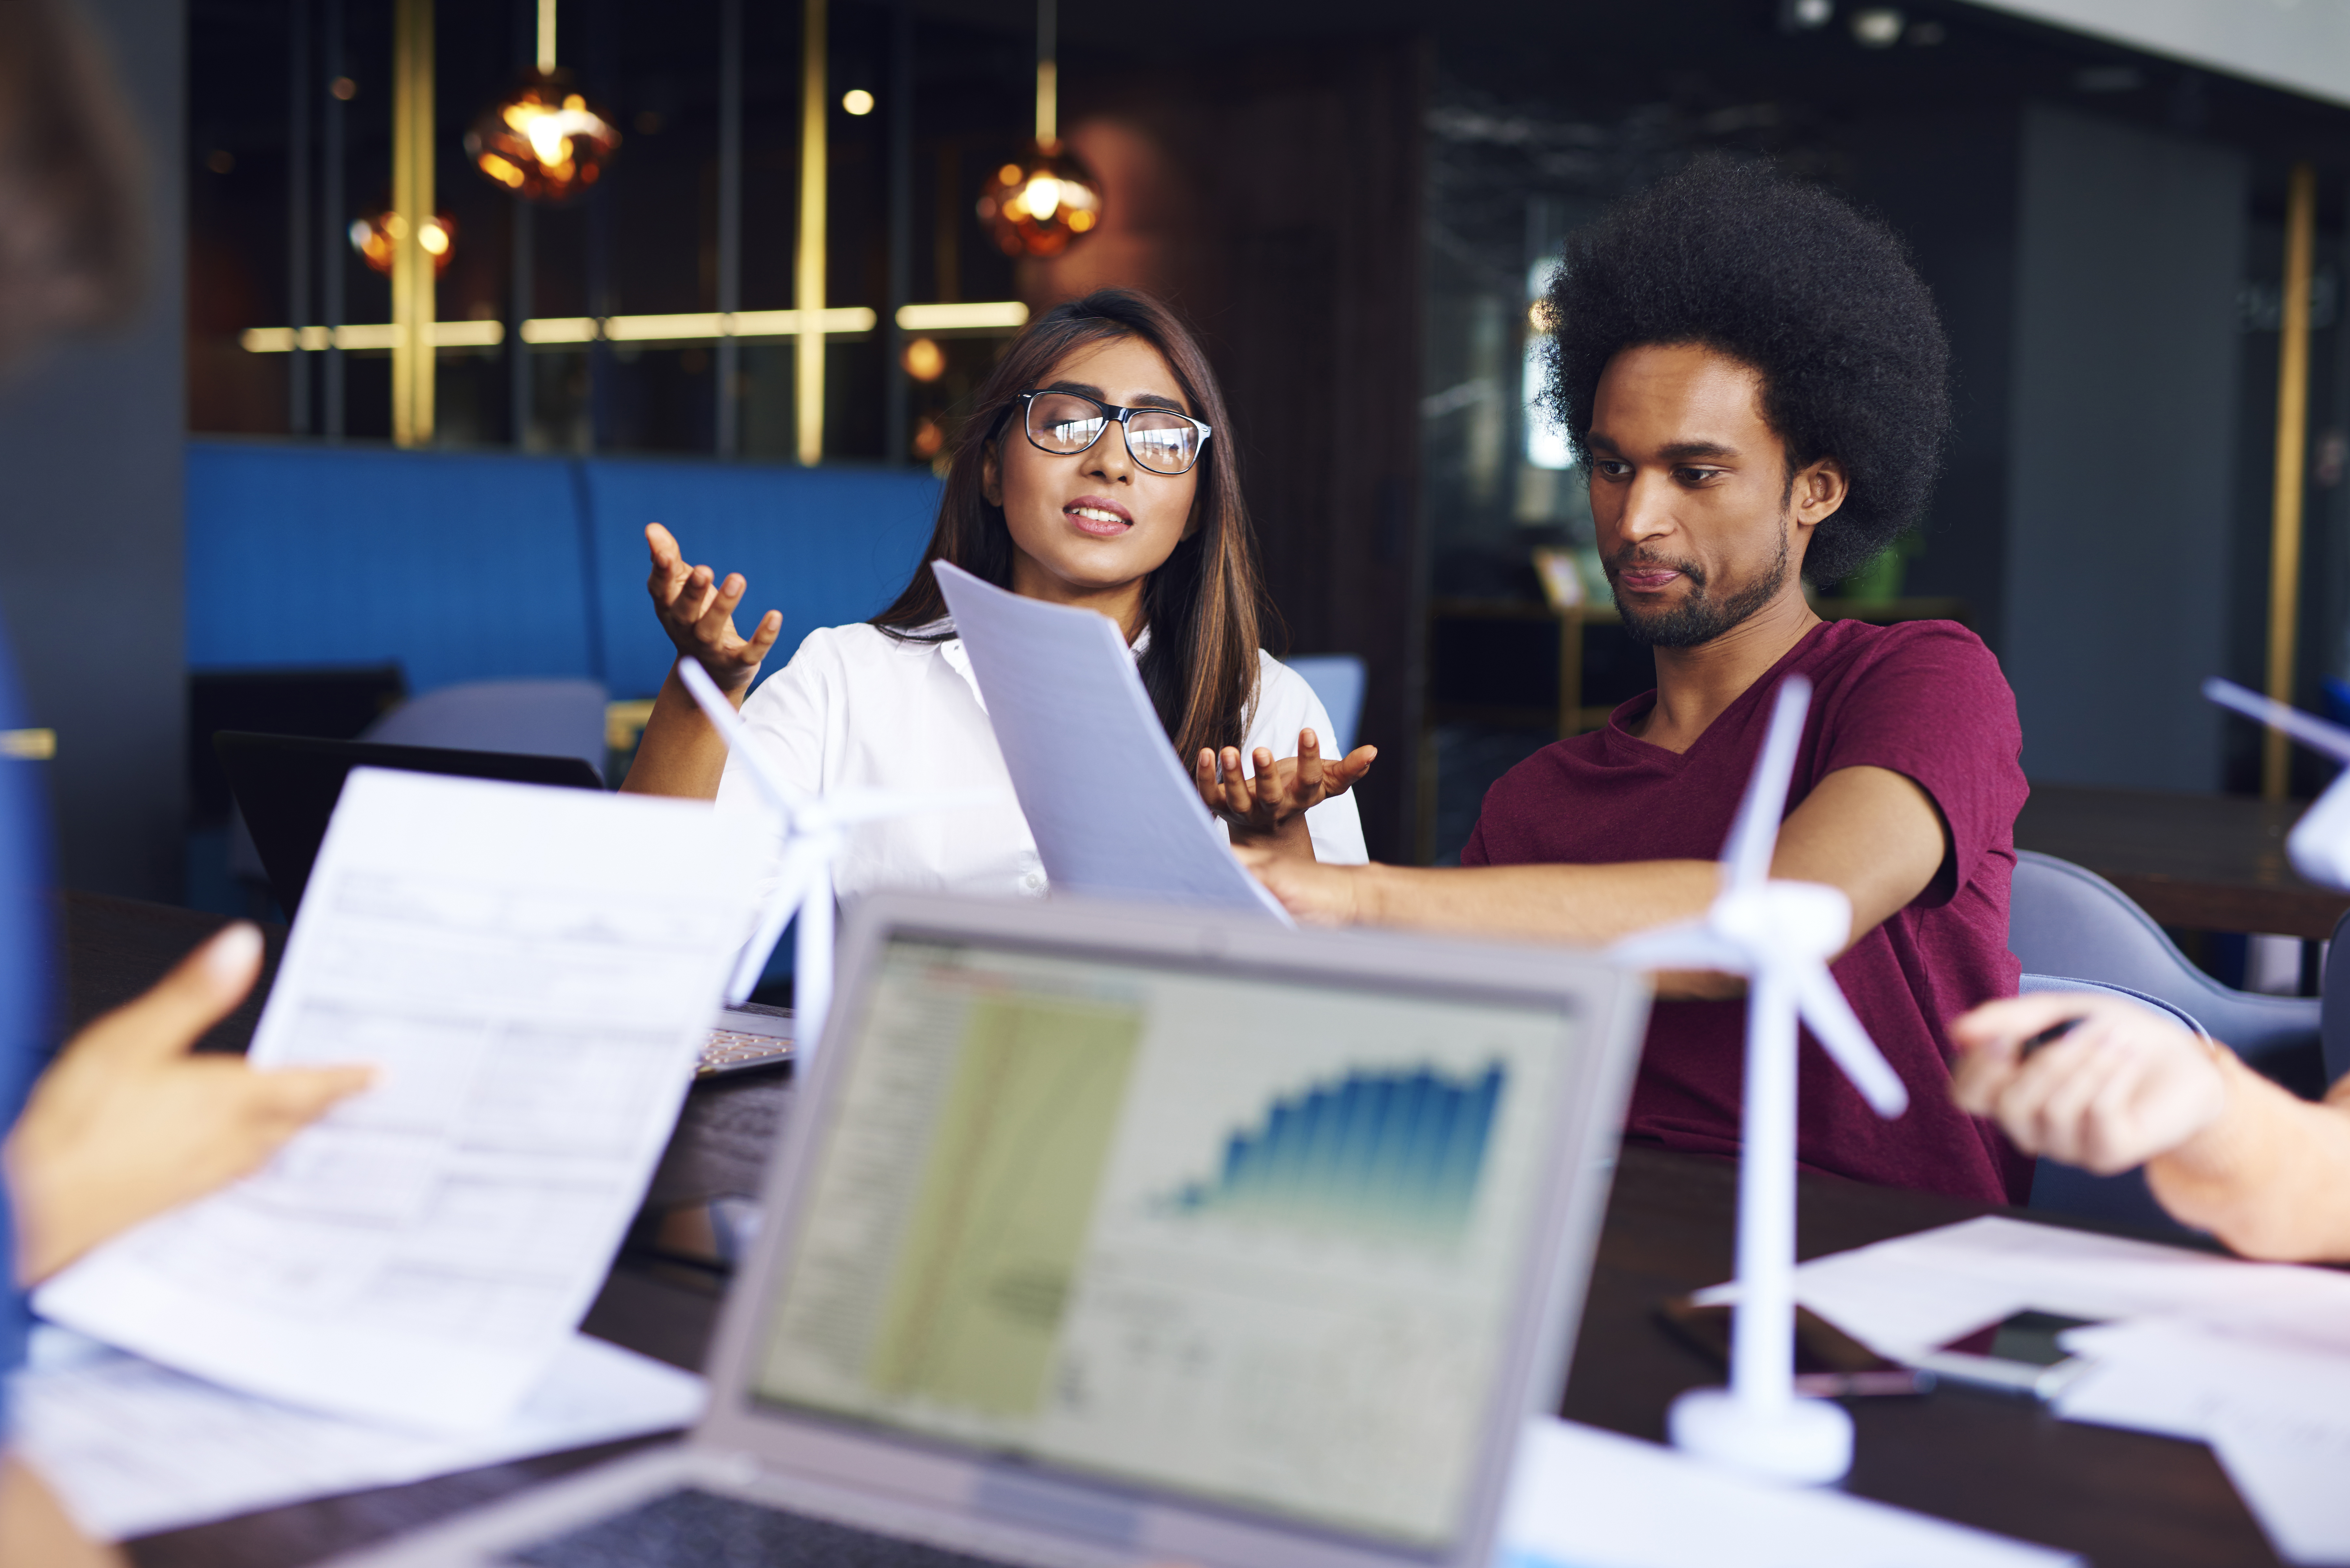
[2123, 1086]
[127, 1123]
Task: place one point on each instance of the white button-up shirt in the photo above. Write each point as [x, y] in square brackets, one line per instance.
[856, 707]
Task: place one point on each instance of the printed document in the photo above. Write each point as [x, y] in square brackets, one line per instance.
[133, 1447]
[532, 972]
[1582, 1498]
[1113, 810]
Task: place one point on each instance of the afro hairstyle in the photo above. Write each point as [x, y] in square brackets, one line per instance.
[1790, 279]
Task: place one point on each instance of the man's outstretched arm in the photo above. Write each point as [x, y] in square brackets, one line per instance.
[1871, 832]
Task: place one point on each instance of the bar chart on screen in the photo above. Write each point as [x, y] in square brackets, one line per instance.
[1376, 1155]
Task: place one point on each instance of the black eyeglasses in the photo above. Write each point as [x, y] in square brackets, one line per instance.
[1066, 424]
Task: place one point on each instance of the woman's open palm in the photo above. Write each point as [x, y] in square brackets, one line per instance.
[697, 611]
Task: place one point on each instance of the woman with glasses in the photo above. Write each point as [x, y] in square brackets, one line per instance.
[1098, 471]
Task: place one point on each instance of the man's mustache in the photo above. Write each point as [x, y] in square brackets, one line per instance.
[1632, 557]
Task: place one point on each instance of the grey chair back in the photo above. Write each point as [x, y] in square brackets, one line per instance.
[2124, 1200]
[2065, 919]
[2334, 1003]
[544, 718]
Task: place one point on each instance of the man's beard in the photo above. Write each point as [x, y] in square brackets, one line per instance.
[1699, 618]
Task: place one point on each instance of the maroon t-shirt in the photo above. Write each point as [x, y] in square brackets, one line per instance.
[1925, 699]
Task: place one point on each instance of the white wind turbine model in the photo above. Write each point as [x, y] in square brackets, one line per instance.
[2319, 843]
[1779, 936]
[814, 831]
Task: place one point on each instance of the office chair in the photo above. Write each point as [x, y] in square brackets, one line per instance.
[1337, 679]
[2333, 1021]
[547, 718]
[2063, 919]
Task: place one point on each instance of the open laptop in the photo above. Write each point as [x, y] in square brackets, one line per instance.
[286, 787]
[1112, 1235]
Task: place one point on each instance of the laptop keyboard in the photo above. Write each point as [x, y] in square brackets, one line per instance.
[694, 1529]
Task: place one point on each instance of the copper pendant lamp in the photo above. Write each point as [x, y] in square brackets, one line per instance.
[1046, 200]
[543, 141]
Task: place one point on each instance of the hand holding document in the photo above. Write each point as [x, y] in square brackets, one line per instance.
[1112, 809]
[530, 971]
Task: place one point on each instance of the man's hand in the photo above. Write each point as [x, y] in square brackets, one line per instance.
[2123, 1086]
[1270, 808]
[697, 611]
[1316, 894]
[126, 1123]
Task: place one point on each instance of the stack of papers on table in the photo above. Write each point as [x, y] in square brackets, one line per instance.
[2253, 1358]
[134, 1448]
[1582, 1498]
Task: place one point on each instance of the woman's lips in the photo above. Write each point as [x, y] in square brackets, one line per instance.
[1102, 519]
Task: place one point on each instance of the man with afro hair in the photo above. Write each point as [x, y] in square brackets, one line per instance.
[1757, 383]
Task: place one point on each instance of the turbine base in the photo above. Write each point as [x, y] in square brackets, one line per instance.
[1808, 1441]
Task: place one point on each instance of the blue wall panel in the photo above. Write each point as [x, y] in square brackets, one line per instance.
[826, 546]
[462, 568]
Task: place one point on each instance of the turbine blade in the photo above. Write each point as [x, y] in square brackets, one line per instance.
[737, 736]
[1688, 944]
[806, 868]
[1747, 857]
[1838, 1029]
[2310, 731]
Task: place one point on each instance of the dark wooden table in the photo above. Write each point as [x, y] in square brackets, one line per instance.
[2200, 862]
[2119, 1498]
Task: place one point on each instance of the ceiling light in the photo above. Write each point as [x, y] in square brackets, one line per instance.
[1878, 28]
[1802, 16]
[924, 360]
[374, 236]
[856, 101]
[1044, 201]
[543, 141]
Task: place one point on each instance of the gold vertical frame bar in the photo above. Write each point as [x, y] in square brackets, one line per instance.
[412, 207]
[808, 274]
[2292, 442]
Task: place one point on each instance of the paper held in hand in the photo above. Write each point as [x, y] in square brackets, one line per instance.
[532, 973]
[1113, 811]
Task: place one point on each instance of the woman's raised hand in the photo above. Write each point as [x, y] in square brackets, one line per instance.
[697, 610]
[1270, 808]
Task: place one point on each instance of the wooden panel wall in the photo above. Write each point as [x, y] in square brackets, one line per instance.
[1275, 200]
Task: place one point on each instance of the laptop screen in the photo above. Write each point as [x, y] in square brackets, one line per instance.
[1250, 1239]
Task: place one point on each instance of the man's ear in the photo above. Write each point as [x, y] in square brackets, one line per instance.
[990, 476]
[1818, 493]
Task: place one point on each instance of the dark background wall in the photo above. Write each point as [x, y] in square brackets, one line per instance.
[2129, 259]
[91, 581]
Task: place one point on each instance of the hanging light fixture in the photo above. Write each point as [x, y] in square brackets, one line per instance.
[543, 141]
[376, 234]
[1046, 200]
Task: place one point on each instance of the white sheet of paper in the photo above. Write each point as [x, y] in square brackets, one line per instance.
[1582, 1497]
[533, 971]
[1908, 1295]
[1113, 811]
[134, 1448]
[2253, 1357]
[2295, 1477]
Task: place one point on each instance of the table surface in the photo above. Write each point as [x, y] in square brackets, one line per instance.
[2199, 862]
[1999, 1463]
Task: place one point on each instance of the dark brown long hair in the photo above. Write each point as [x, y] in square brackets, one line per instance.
[1205, 606]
